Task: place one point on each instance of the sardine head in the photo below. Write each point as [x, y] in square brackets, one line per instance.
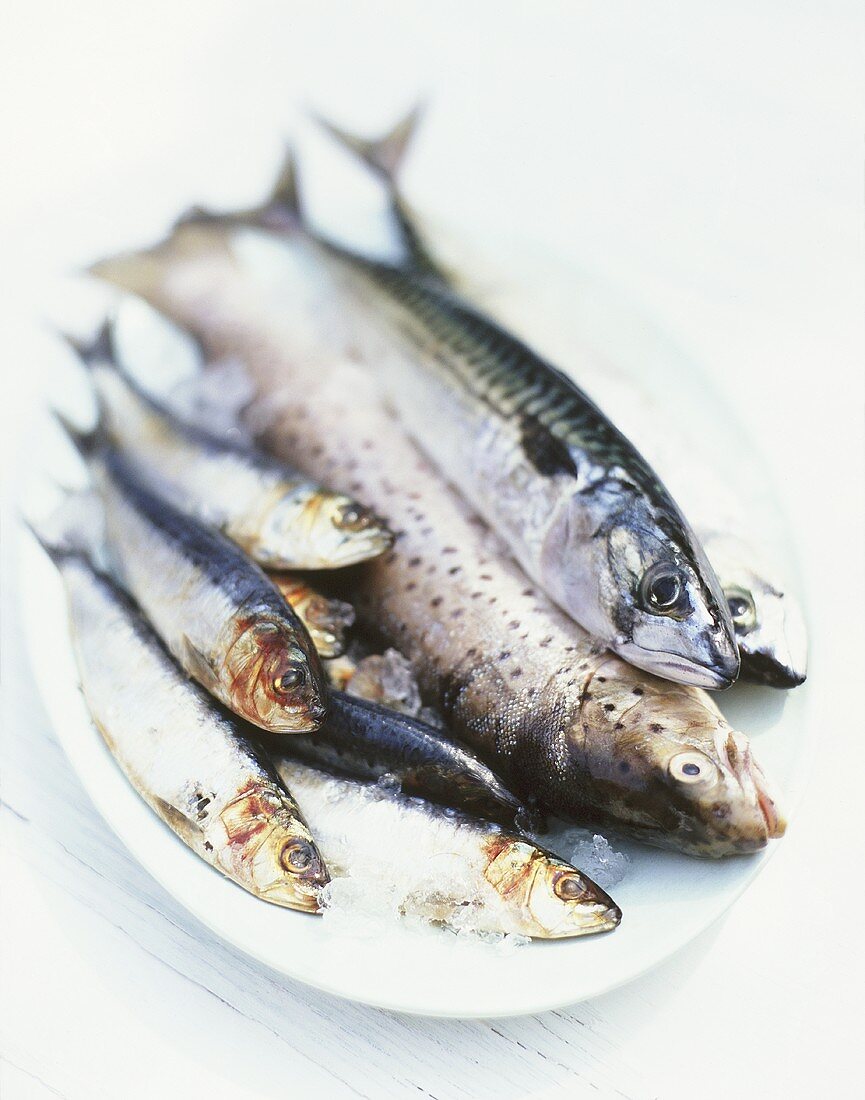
[554, 900]
[666, 763]
[770, 631]
[275, 678]
[311, 528]
[272, 849]
[646, 589]
[326, 619]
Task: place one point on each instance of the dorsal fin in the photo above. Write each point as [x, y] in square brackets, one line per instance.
[284, 195]
[280, 210]
[383, 154]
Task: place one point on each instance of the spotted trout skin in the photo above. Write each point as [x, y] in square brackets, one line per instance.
[564, 722]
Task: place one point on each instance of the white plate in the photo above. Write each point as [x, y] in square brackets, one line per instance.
[666, 899]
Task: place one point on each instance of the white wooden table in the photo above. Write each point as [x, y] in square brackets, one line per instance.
[705, 157]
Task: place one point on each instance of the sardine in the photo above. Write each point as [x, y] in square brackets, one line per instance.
[768, 624]
[325, 619]
[449, 869]
[187, 759]
[280, 518]
[215, 610]
[770, 628]
[577, 505]
[559, 718]
[370, 742]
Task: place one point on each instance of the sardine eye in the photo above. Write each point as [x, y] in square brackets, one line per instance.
[742, 610]
[297, 856]
[691, 768]
[352, 517]
[568, 886]
[289, 680]
[662, 590]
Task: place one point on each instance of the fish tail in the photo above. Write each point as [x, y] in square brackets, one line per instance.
[98, 349]
[85, 440]
[384, 154]
[57, 549]
[70, 530]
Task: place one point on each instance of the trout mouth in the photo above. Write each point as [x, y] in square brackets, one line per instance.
[765, 822]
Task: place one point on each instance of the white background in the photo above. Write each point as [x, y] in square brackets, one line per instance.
[705, 158]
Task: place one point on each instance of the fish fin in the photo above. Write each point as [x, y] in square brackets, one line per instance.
[196, 663]
[99, 349]
[280, 210]
[384, 154]
[57, 549]
[86, 441]
[188, 830]
[70, 530]
[285, 194]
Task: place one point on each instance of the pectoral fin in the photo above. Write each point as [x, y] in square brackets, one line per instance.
[197, 664]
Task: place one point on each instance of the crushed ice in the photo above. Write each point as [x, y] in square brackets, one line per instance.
[387, 679]
[600, 861]
[357, 909]
[589, 852]
[215, 399]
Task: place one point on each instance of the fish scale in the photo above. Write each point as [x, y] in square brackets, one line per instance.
[512, 674]
[510, 369]
[190, 761]
[218, 614]
[501, 423]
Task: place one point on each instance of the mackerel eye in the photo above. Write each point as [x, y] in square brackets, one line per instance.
[742, 610]
[352, 517]
[662, 590]
[297, 856]
[691, 768]
[290, 680]
[568, 886]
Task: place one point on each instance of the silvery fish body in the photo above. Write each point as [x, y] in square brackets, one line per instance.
[218, 614]
[767, 620]
[580, 509]
[187, 759]
[769, 625]
[371, 742]
[417, 860]
[769, 628]
[280, 518]
[558, 717]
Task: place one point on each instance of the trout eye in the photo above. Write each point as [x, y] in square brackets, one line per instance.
[742, 610]
[290, 680]
[568, 886]
[662, 590]
[297, 856]
[352, 517]
[691, 768]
